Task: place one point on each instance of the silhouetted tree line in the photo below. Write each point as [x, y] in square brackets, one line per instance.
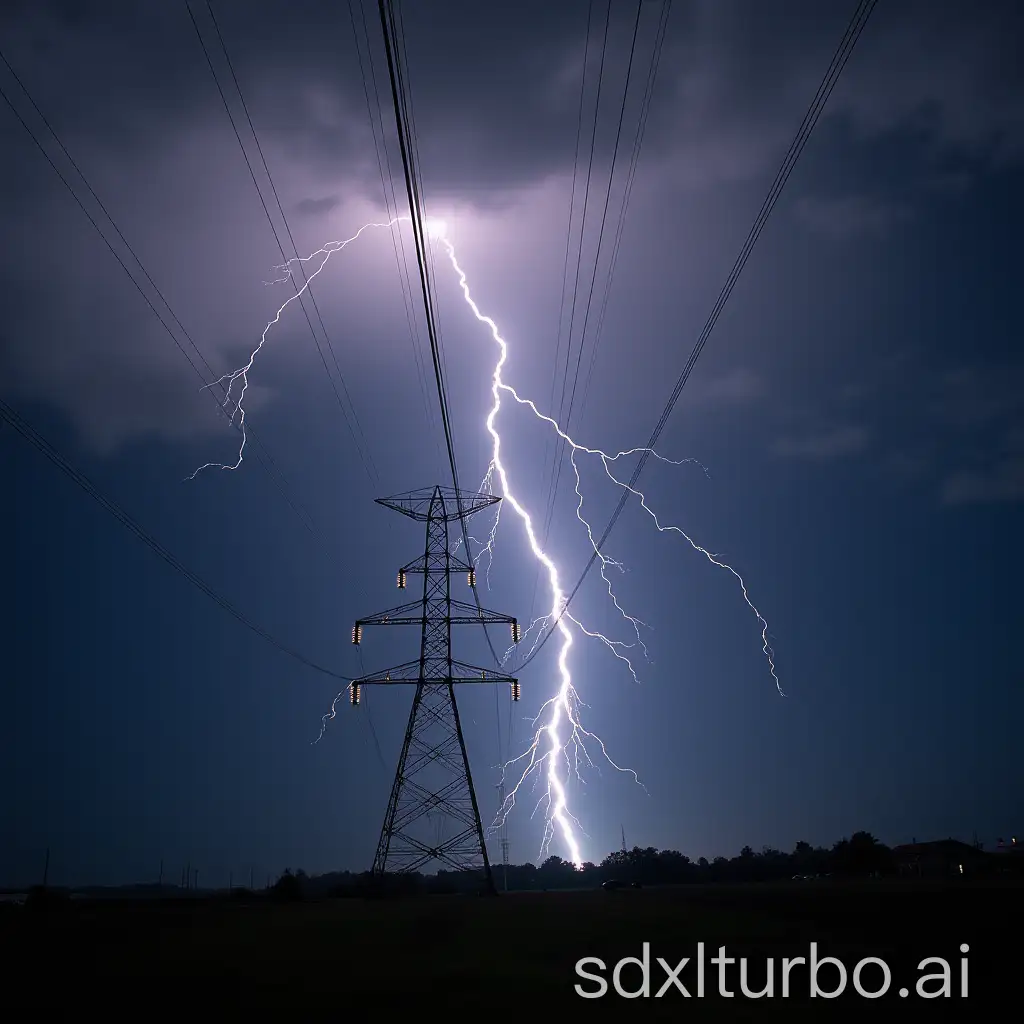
[861, 855]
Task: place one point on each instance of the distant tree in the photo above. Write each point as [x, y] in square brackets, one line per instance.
[556, 873]
[672, 866]
[289, 886]
[861, 854]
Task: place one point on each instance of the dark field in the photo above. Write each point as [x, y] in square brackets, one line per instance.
[510, 954]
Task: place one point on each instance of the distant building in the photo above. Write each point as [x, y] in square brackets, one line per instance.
[944, 858]
[1008, 858]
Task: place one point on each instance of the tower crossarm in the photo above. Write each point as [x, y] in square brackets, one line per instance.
[403, 615]
[409, 673]
[463, 613]
[438, 503]
[453, 565]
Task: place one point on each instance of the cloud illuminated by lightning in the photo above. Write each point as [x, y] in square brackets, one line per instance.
[560, 742]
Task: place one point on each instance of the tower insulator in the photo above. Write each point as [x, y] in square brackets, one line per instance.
[357, 633]
[387, 677]
[401, 579]
[353, 694]
[471, 577]
[515, 690]
[516, 634]
[483, 673]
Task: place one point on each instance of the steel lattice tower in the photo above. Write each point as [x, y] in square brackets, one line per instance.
[433, 814]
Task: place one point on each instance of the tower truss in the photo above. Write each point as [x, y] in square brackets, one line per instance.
[432, 814]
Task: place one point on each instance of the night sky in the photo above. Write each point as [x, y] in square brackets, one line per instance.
[859, 408]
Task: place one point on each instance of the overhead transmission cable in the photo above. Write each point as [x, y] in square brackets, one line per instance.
[549, 471]
[565, 415]
[567, 420]
[302, 271]
[410, 116]
[842, 55]
[638, 141]
[412, 189]
[391, 208]
[559, 443]
[31, 435]
[364, 457]
[406, 140]
[360, 442]
[263, 456]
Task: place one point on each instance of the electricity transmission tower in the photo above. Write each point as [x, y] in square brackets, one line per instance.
[433, 814]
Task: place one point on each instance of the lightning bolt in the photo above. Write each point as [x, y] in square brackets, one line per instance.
[329, 717]
[548, 751]
[561, 745]
[324, 253]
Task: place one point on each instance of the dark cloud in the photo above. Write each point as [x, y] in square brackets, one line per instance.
[1002, 481]
[737, 387]
[315, 207]
[978, 394]
[850, 216]
[496, 86]
[824, 446]
[961, 427]
[496, 94]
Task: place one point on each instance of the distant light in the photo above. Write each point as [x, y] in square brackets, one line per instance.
[436, 228]
[961, 869]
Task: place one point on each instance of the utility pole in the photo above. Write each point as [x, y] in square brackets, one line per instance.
[432, 814]
[46, 868]
[160, 880]
[623, 827]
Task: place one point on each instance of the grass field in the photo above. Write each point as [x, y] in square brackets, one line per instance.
[507, 955]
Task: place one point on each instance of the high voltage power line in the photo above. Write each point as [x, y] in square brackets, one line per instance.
[31, 435]
[407, 144]
[410, 166]
[554, 474]
[263, 456]
[846, 45]
[360, 441]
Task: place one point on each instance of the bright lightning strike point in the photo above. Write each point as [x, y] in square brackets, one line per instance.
[436, 229]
